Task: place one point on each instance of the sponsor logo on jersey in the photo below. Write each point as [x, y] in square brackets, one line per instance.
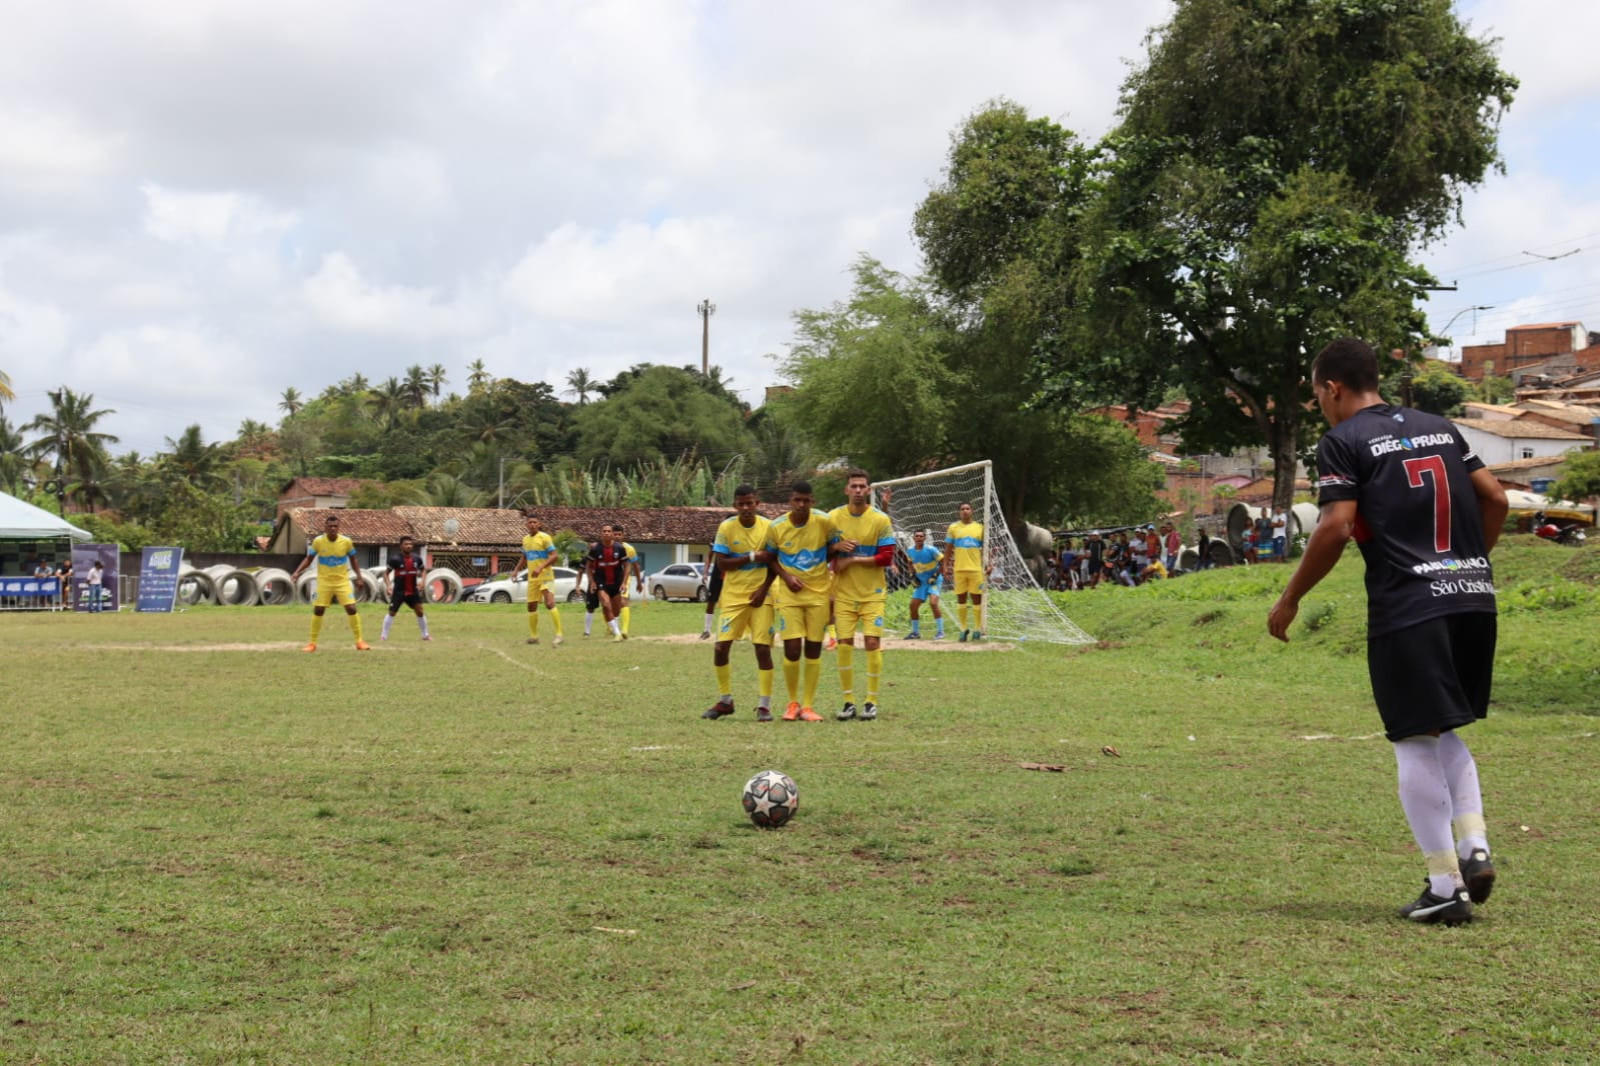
[1462, 588]
[1385, 445]
[1451, 565]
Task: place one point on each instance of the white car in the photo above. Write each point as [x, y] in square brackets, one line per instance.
[680, 581]
[504, 588]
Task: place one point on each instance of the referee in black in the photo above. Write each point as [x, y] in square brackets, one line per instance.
[1425, 513]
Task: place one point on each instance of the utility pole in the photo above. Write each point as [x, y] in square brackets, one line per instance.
[706, 309]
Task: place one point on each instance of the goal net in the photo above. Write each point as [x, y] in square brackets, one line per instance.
[1015, 607]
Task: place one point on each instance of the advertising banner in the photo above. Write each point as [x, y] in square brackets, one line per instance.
[90, 595]
[30, 588]
[158, 579]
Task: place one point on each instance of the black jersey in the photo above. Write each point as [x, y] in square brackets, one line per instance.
[1417, 518]
[406, 572]
[608, 566]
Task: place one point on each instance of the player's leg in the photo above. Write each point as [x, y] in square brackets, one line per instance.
[977, 616]
[591, 604]
[872, 640]
[317, 611]
[761, 639]
[791, 631]
[533, 612]
[555, 613]
[608, 604]
[1418, 698]
[348, 599]
[917, 595]
[396, 598]
[938, 615]
[830, 632]
[1472, 640]
[845, 616]
[733, 626]
[624, 608]
[816, 624]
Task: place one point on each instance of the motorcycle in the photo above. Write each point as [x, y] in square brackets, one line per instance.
[1545, 529]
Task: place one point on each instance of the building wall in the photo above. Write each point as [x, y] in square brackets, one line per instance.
[1496, 449]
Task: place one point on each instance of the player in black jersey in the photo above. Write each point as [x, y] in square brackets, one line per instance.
[608, 569]
[1425, 513]
[407, 577]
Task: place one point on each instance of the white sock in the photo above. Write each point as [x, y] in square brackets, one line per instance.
[708, 623]
[422, 623]
[1425, 797]
[388, 620]
[1466, 798]
[588, 623]
[616, 627]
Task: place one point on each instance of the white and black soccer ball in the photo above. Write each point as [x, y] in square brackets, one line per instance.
[771, 798]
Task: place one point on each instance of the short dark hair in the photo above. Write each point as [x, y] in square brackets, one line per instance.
[857, 472]
[800, 488]
[1350, 361]
[745, 489]
[408, 540]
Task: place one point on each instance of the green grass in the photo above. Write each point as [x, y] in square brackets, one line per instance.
[215, 849]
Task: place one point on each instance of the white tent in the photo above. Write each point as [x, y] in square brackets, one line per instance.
[20, 520]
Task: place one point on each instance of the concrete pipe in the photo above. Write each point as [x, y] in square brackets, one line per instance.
[235, 587]
[369, 589]
[442, 585]
[1303, 519]
[277, 590]
[305, 590]
[195, 587]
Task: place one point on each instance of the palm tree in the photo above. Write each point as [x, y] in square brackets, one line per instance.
[291, 401]
[192, 459]
[355, 384]
[13, 463]
[580, 384]
[388, 400]
[477, 375]
[134, 488]
[436, 379]
[416, 386]
[68, 436]
[5, 387]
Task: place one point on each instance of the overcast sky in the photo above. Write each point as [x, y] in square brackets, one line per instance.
[203, 203]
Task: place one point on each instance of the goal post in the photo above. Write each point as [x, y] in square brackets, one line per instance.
[1015, 606]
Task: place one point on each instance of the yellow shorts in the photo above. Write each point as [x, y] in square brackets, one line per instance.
[969, 582]
[802, 621]
[327, 594]
[737, 619]
[847, 614]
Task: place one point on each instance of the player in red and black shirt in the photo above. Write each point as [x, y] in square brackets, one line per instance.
[1425, 512]
[608, 569]
[407, 577]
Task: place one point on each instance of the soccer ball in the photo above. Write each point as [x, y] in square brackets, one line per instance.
[770, 799]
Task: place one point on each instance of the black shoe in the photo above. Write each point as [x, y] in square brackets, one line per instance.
[720, 709]
[962, 639]
[913, 635]
[869, 712]
[847, 712]
[1478, 872]
[1451, 910]
[763, 714]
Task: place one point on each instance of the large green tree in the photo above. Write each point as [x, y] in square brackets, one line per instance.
[68, 437]
[1275, 164]
[659, 413]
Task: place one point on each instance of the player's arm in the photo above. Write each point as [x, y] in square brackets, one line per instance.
[310, 551]
[1492, 505]
[1323, 551]
[355, 567]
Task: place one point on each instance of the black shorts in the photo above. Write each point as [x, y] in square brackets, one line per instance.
[398, 598]
[1433, 676]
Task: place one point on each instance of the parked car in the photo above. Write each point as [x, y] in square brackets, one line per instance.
[504, 588]
[680, 581]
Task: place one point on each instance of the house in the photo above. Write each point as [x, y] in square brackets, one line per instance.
[1562, 344]
[1500, 440]
[318, 492]
[477, 542]
[1525, 474]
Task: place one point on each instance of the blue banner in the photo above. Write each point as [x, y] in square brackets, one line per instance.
[30, 588]
[158, 579]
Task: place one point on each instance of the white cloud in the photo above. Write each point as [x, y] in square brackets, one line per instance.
[341, 298]
[208, 217]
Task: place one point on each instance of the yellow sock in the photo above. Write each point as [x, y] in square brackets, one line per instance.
[533, 624]
[874, 672]
[316, 627]
[724, 679]
[961, 612]
[355, 626]
[813, 675]
[555, 617]
[627, 612]
[764, 682]
[791, 678]
[847, 671]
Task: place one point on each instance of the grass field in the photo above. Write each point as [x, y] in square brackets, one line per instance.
[216, 849]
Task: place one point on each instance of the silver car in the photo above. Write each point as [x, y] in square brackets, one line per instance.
[680, 581]
[504, 588]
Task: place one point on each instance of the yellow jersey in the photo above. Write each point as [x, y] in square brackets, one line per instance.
[871, 530]
[333, 560]
[537, 550]
[803, 552]
[966, 544]
[733, 540]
